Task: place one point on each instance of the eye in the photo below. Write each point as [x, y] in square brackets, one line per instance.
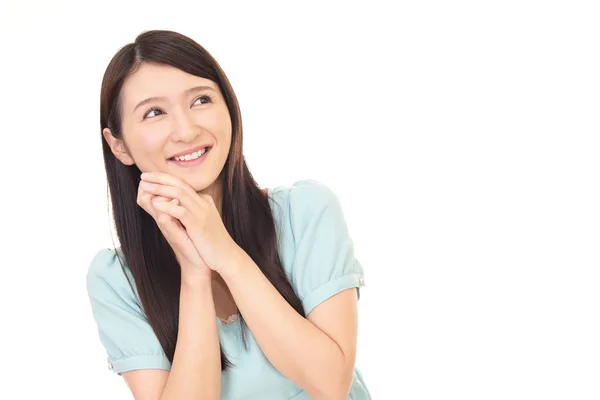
[147, 114]
[204, 97]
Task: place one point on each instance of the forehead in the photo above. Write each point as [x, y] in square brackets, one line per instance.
[151, 80]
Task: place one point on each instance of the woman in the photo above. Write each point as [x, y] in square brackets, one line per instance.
[219, 289]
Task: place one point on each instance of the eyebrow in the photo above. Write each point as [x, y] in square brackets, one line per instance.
[158, 98]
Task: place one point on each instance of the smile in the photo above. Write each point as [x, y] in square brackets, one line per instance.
[191, 156]
[192, 159]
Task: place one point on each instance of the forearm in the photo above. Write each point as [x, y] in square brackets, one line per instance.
[196, 368]
[295, 346]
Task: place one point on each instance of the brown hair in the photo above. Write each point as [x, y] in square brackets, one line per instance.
[245, 210]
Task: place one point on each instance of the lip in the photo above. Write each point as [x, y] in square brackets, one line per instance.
[192, 163]
[189, 151]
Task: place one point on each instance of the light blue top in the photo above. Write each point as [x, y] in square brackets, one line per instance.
[318, 257]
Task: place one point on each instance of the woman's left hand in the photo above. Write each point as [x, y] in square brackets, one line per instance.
[200, 217]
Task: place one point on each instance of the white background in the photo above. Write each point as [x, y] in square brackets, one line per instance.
[461, 138]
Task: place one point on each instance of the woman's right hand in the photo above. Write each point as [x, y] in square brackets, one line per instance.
[192, 265]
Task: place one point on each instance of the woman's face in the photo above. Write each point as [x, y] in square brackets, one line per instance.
[166, 112]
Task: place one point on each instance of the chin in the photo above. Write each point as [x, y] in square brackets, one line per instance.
[200, 185]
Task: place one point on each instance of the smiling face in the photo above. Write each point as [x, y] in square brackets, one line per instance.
[166, 112]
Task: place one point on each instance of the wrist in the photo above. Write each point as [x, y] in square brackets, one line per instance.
[238, 261]
[196, 281]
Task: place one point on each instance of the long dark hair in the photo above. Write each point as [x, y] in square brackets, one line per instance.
[246, 211]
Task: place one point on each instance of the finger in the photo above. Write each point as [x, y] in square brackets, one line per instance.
[166, 221]
[152, 200]
[174, 211]
[160, 189]
[185, 198]
[163, 199]
[161, 178]
[143, 200]
[168, 227]
[166, 179]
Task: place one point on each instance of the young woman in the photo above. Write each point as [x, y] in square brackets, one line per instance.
[219, 289]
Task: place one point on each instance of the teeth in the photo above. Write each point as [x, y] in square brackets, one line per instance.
[191, 156]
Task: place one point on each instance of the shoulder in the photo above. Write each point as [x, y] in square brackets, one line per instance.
[318, 252]
[122, 325]
[303, 198]
[312, 203]
[305, 189]
[309, 194]
[106, 275]
[306, 207]
[104, 266]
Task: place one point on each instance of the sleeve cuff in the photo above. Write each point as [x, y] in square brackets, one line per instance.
[153, 361]
[332, 288]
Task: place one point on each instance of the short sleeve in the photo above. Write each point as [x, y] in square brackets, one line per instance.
[324, 263]
[124, 331]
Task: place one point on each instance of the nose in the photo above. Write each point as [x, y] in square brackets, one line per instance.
[185, 128]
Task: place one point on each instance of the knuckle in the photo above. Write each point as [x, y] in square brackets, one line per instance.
[155, 199]
[163, 219]
[142, 201]
[183, 213]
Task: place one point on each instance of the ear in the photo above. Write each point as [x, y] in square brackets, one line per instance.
[118, 147]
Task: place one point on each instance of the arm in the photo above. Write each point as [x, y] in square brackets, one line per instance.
[196, 368]
[317, 353]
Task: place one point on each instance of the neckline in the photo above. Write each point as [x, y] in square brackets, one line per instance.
[235, 320]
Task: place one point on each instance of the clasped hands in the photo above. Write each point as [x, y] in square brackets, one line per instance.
[190, 222]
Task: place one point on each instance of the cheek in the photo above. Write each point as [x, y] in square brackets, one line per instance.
[152, 142]
[152, 137]
[218, 122]
[148, 145]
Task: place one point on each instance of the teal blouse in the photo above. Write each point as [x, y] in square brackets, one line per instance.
[317, 255]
